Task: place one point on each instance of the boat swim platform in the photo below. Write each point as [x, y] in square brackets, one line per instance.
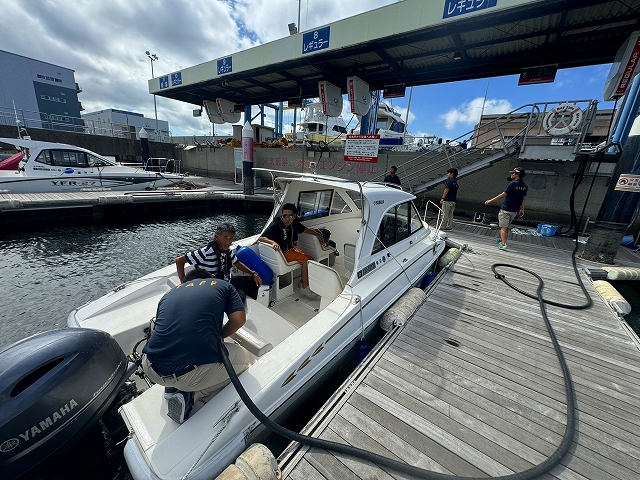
[471, 385]
[19, 210]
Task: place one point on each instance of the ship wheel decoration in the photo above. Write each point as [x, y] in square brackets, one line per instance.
[563, 119]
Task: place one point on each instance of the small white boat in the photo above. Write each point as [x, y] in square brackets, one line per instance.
[318, 127]
[57, 167]
[384, 247]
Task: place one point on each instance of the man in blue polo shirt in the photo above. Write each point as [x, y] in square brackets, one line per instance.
[513, 204]
[182, 353]
[448, 200]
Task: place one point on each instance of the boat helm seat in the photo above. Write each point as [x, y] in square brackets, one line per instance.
[311, 245]
[283, 271]
[324, 281]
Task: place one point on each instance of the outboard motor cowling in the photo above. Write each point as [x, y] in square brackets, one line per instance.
[54, 387]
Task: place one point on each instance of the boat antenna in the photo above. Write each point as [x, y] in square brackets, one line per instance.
[484, 101]
[15, 112]
[406, 118]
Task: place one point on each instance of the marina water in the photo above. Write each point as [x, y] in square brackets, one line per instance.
[46, 274]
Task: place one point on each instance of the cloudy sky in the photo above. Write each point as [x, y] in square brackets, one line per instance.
[105, 41]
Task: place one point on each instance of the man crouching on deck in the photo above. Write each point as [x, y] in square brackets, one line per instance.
[182, 353]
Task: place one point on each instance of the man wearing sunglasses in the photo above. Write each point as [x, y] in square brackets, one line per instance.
[217, 258]
[282, 235]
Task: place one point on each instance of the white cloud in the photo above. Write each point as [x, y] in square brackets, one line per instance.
[469, 113]
[105, 41]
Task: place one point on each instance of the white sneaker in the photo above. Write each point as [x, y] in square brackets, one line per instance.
[307, 292]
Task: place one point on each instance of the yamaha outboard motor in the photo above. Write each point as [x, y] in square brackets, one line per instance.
[54, 387]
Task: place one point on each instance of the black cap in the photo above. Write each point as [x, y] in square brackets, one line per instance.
[518, 170]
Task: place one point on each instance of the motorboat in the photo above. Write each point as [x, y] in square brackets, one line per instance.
[393, 130]
[57, 167]
[318, 127]
[379, 247]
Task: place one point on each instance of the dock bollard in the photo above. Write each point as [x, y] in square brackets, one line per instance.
[256, 463]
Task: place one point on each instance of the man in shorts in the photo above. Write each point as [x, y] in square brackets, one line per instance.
[282, 235]
[513, 204]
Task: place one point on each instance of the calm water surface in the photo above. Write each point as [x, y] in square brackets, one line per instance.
[45, 275]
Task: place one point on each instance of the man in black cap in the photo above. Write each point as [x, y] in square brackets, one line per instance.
[513, 204]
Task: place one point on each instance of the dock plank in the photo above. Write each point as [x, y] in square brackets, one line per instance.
[471, 384]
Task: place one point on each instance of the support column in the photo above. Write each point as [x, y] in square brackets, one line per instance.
[247, 158]
[619, 205]
[144, 145]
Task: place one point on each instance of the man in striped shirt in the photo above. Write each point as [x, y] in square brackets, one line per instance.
[217, 258]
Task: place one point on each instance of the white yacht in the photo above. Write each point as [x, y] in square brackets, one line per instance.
[383, 247]
[393, 130]
[318, 127]
[57, 167]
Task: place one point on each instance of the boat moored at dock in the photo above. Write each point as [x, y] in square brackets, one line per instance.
[57, 167]
[383, 247]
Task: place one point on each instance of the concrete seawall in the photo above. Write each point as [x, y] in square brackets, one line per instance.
[550, 183]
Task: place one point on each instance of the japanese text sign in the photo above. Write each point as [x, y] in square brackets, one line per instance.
[315, 40]
[225, 65]
[361, 148]
[453, 8]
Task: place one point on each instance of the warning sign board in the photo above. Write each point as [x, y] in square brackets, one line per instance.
[628, 183]
[361, 148]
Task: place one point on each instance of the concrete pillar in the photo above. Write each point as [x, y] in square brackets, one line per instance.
[619, 205]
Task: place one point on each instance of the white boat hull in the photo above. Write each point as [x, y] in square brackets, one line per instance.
[310, 338]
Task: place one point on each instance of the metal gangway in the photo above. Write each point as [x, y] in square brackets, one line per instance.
[549, 130]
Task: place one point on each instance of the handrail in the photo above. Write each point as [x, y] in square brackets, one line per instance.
[489, 137]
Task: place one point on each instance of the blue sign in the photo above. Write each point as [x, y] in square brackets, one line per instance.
[315, 40]
[225, 65]
[176, 79]
[164, 82]
[453, 8]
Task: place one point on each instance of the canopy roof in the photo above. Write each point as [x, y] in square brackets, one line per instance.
[414, 42]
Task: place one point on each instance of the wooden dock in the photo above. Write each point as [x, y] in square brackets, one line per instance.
[471, 385]
[19, 210]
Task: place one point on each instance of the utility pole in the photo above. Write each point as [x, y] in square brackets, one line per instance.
[153, 57]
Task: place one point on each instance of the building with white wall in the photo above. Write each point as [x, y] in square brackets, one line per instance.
[122, 123]
[40, 94]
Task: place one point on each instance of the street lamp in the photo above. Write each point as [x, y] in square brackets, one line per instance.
[153, 57]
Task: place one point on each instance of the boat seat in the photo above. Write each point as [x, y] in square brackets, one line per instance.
[311, 245]
[324, 281]
[252, 341]
[349, 257]
[282, 270]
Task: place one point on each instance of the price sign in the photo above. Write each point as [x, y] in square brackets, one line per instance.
[532, 76]
[164, 82]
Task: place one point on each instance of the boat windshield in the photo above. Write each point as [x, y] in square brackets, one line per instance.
[70, 158]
